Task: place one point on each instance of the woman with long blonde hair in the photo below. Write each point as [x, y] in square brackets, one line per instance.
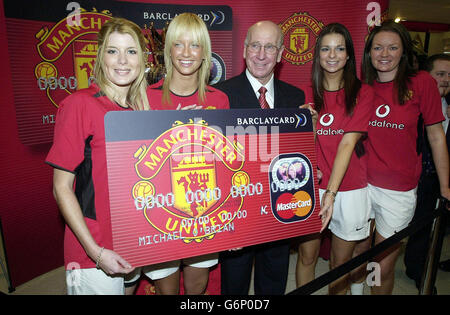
[187, 56]
[136, 96]
[78, 157]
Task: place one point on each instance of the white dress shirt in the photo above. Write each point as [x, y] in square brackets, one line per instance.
[256, 85]
[444, 111]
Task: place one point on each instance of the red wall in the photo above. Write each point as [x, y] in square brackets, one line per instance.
[32, 226]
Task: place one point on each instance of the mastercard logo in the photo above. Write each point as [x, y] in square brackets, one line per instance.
[289, 205]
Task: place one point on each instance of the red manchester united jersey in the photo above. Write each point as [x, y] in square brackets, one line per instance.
[333, 122]
[393, 158]
[215, 99]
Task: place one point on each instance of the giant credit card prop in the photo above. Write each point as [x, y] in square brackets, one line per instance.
[187, 183]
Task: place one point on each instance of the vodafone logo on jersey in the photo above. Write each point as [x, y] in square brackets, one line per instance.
[326, 121]
[381, 112]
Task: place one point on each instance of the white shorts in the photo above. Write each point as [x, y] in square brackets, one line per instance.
[93, 281]
[351, 214]
[392, 210]
[162, 270]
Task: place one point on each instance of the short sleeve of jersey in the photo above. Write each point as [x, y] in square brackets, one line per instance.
[216, 99]
[359, 121]
[430, 100]
[309, 97]
[71, 131]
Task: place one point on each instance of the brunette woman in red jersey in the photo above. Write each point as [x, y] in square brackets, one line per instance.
[344, 106]
[394, 161]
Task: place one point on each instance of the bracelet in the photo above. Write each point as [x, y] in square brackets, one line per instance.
[331, 192]
[97, 264]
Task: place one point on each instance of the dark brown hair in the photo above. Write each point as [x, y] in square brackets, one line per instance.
[351, 82]
[405, 67]
[429, 65]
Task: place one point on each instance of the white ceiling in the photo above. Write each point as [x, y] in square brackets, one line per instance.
[433, 11]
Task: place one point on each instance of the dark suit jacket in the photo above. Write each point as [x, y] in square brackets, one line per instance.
[271, 259]
[241, 94]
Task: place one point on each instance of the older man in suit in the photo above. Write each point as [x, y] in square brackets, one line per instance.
[257, 87]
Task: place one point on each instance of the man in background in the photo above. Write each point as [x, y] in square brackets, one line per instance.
[428, 189]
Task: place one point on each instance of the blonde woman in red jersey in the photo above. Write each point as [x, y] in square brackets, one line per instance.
[187, 57]
[78, 156]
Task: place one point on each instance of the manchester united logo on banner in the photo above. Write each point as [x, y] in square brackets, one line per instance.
[52, 45]
[84, 52]
[52, 48]
[300, 32]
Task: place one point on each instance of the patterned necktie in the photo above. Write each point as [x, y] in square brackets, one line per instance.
[262, 98]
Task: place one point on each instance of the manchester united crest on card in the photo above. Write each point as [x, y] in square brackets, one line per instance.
[188, 183]
[193, 177]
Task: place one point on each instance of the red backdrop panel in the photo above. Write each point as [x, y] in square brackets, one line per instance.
[33, 228]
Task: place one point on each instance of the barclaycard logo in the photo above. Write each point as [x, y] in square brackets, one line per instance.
[217, 18]
[299, 120]
[211, 18]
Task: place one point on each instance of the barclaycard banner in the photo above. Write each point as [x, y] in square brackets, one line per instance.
[188, 183]
[52, 48]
